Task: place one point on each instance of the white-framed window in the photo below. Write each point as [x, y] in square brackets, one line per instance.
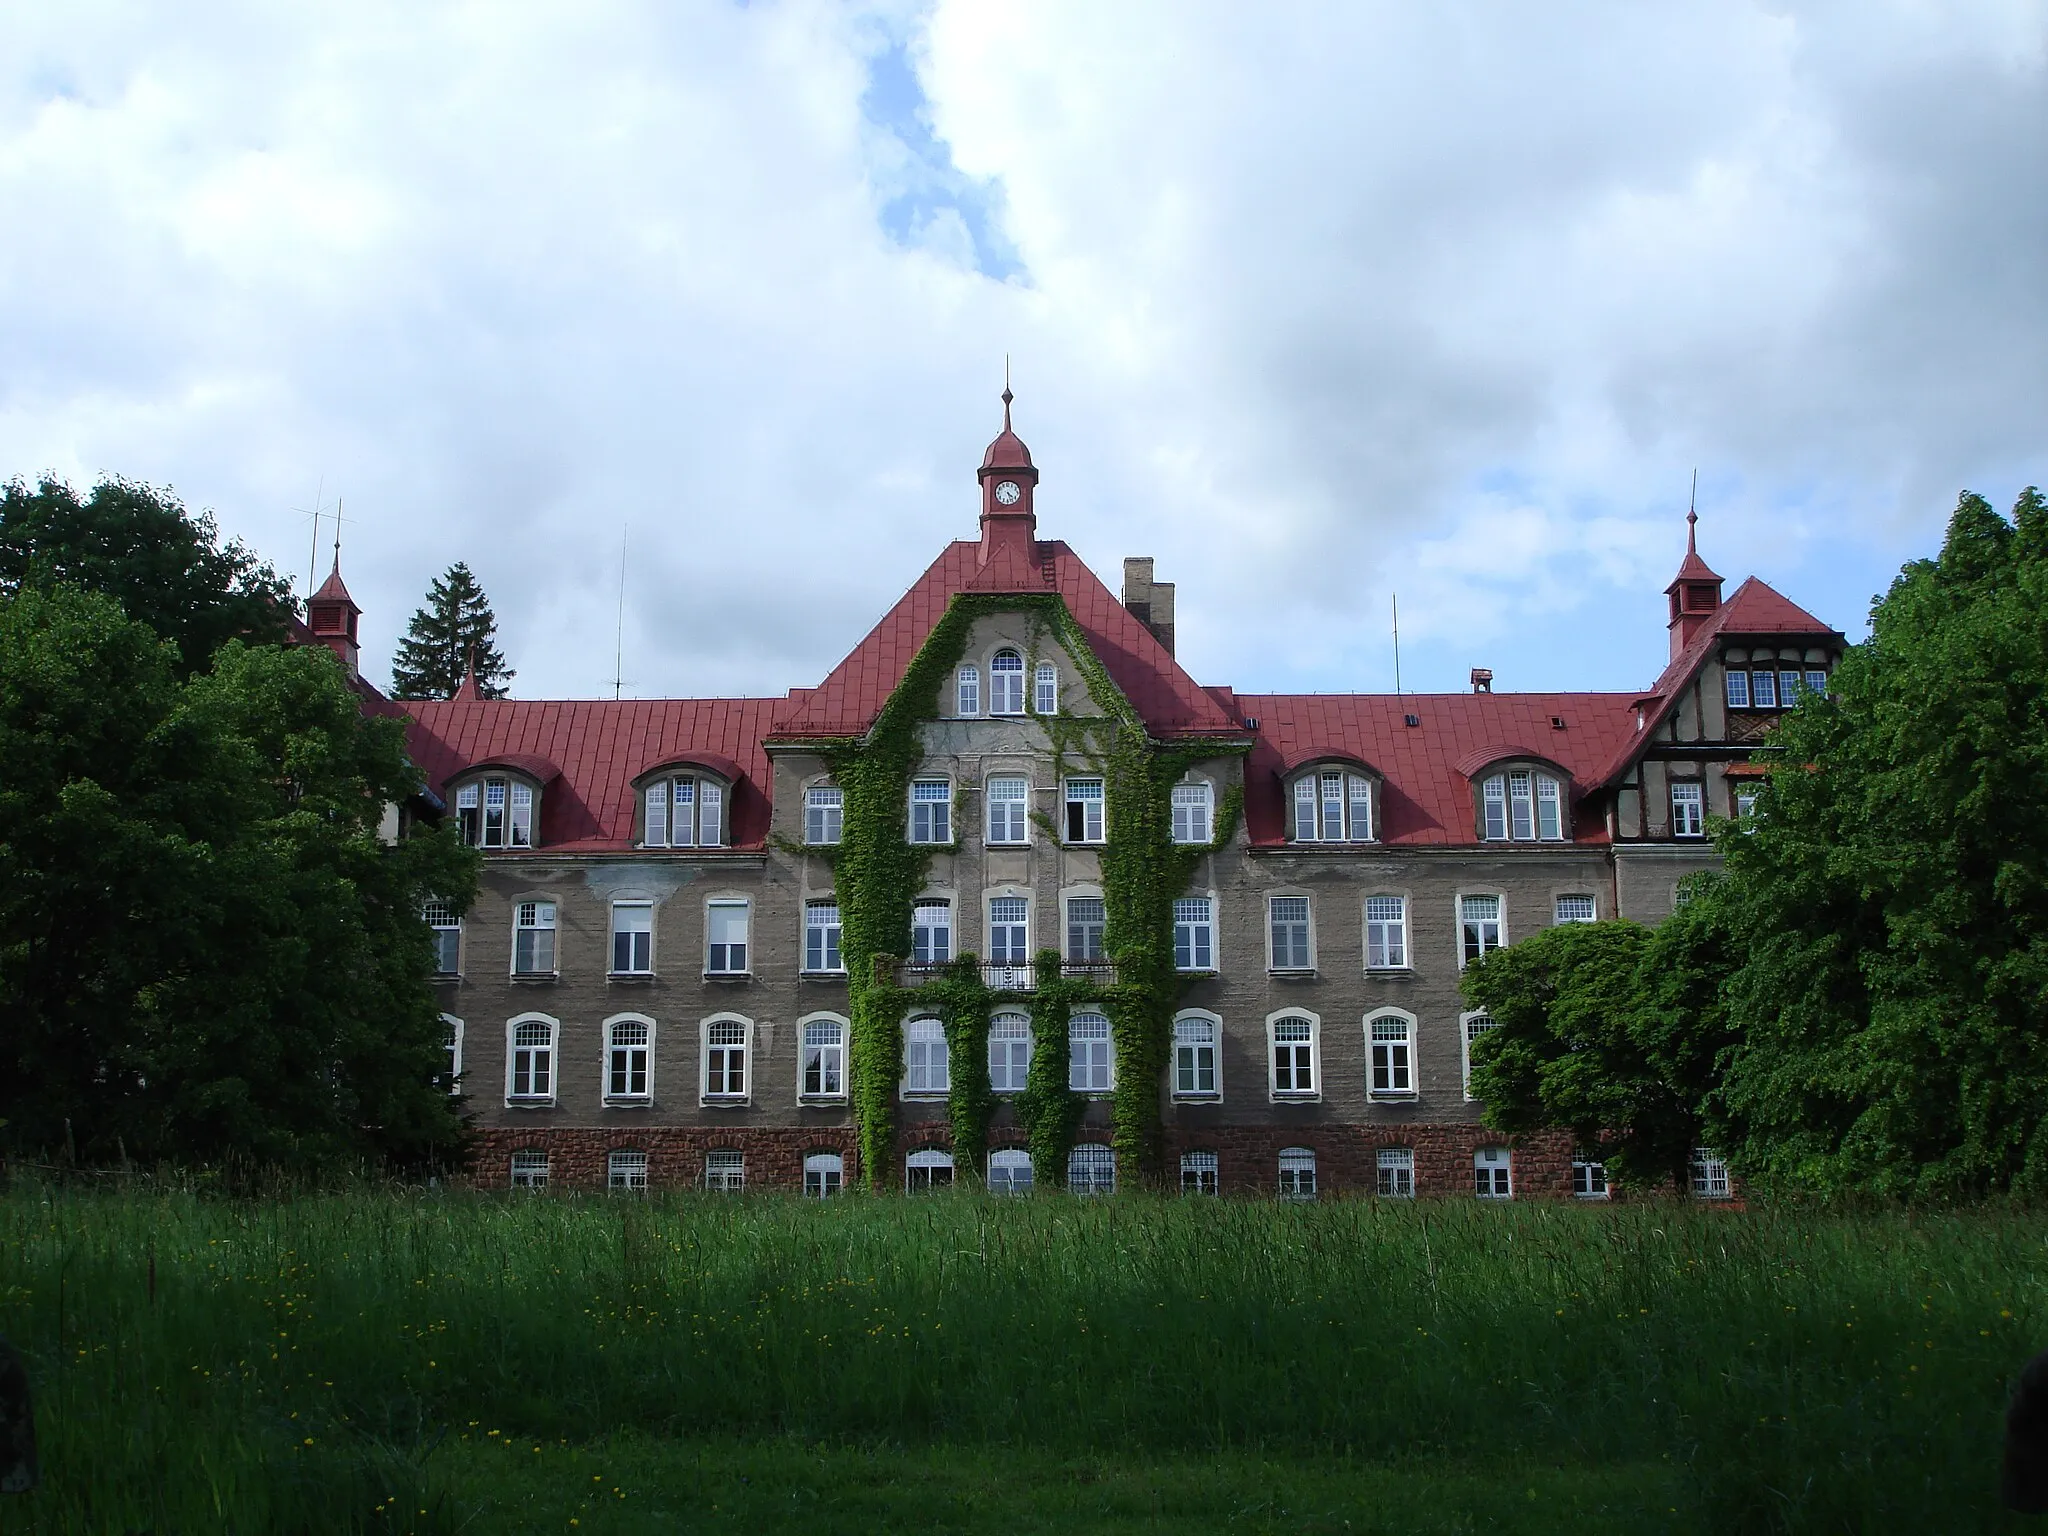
[1745, 805]
[1480, 928]
[824, 1175]
[628, 1061]
[1390, 1041]
[1009, 804]
[1493, 1174]
[1287, 928]
[1045, 687]
[1763, 689]
[1193, 812]
[1470, 1027]
[931, 932]
[684, 811]
[726, 1043]
[824, 814]
[451, 1043]
[726, 929]
[1709, 1175]
[533, 939]
[495, 813]
[1009, 935]
[1009, 1053]
[821, 939]
[725, 1172]
[1577, 909]
[1198, 1172]
[530, 1059]
[1194, 934]
[1386, 933]
[968, 697]
[1681, 893]
[1789, 679]
[1297, 1173]
[1589, 1176]
[1688, 808]
[1291, 1042]
[1816, 681]
[1091, 1169]
[1396, 1173]
[1332, 806]
[632, 938]
[1091, 1056]
[823, 1068]
[1738, 690]
[625, 1171]
[1009, 1172]
[931, 811]
[926, 1070]
[1194, 1057]
[1087, 921]
[446, 928]
[1006, 683]
[1521, 805]
[1084, 811]
[927, 1168]
[529, 1170]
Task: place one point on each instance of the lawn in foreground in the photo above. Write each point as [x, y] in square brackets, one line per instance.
[962, 1363]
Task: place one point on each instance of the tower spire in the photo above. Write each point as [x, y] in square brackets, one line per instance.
[1692, 516]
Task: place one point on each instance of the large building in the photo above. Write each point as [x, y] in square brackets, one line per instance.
[664, 979]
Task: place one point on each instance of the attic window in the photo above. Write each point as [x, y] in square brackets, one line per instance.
[1413, 720]
[685, 811]
[1332, 806]
[1521, 806]
[1557, 722]
[495, 812]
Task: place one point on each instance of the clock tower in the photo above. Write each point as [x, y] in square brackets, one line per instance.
[1009, 522]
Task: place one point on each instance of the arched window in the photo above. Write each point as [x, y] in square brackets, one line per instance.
[824, 1175]
[1292, 1041]
[1006, 683]
[1470, 1027]
[1009, 1172]
[451, 1042]
[1521, 805]
[926, 1071]
[683, 810]
[1046, 689]
[530, 1060]
[1009, 1052]
[1390, 1049]
[824, 1063]
[1091, 1056]
[496, 811]
[1194, 1057]
[927, 1168]
[1333, 805]
[969, 699]
[1091, 1169]
[628, 1061]
[728, 1040]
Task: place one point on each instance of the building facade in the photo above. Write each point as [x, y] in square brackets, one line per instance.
[663, 979]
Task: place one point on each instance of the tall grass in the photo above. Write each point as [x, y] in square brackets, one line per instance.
[287, 1365]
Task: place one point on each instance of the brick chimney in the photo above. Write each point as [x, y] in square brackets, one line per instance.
[1150, 602]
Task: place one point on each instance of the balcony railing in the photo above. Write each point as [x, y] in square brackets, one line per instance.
[997, 978]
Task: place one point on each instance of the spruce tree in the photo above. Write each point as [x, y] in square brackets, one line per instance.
[454, 631]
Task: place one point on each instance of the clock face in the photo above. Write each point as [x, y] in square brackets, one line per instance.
[1007, 492]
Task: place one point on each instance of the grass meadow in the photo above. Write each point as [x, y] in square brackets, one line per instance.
[442, 1362]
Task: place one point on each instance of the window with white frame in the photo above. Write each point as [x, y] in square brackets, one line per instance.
[451, 1044]
[1009, 1053]
[1681, 893]
[824, 1060]
[446, 928]
[626, 1171]
[1006, 683]
[968, 698]
[1391, 1039]
[529, 1170]
[1009, 937]
[926, 1073]
[821, 938]
[1816, 681]
[1193, 810]
[1396, 1173]
[1576, 909]
[1292, 1041]
[1738, 689]
[1521, 805]
[1688, 808]
[1332, 806]
[1287, 924]
[1009, 1172]
[725, 1172]
[1386, 933]
[1479, 927]
[726, 926]
[1091, 1169]
[628, 1056]
[1046, 687]
[1493, 1176]
[931, 932]
[1709, 1175]
[533, 939]
[683, 811]
[1789, 687]
[1087, 920]
[1198, 1172]
[1194, 1058]
[1470, 1027]
[1009, 805]
[1194, 934]
[824, 1175]
[1297, 1173]
[931, 811]
[824, 814]
[632, 938]
[1091, 1058]
[530, 1062]
[1084, 811]
[495, 813]
[926, 1169]
[1745, 806]
[725, 1060]
[1763, 690]
[1589, 1176]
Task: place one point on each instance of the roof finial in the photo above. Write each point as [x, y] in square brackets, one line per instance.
[1692, 515]
[1007, 396]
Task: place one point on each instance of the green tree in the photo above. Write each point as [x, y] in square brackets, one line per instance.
[1893, 893]
[451, 633]
[165, 566]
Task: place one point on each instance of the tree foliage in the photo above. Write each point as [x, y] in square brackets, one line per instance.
[451, 632]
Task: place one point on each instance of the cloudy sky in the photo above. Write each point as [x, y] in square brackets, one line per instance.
[1315, 303]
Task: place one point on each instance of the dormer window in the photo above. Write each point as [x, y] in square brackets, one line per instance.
[1332, 806]
[495, 812]
[1521, 806]
[1006, 683]
[684, 810]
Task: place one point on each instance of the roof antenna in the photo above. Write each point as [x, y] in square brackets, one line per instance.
[1397, 644]
[313, 554]
[337, 533]
[619, 639]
